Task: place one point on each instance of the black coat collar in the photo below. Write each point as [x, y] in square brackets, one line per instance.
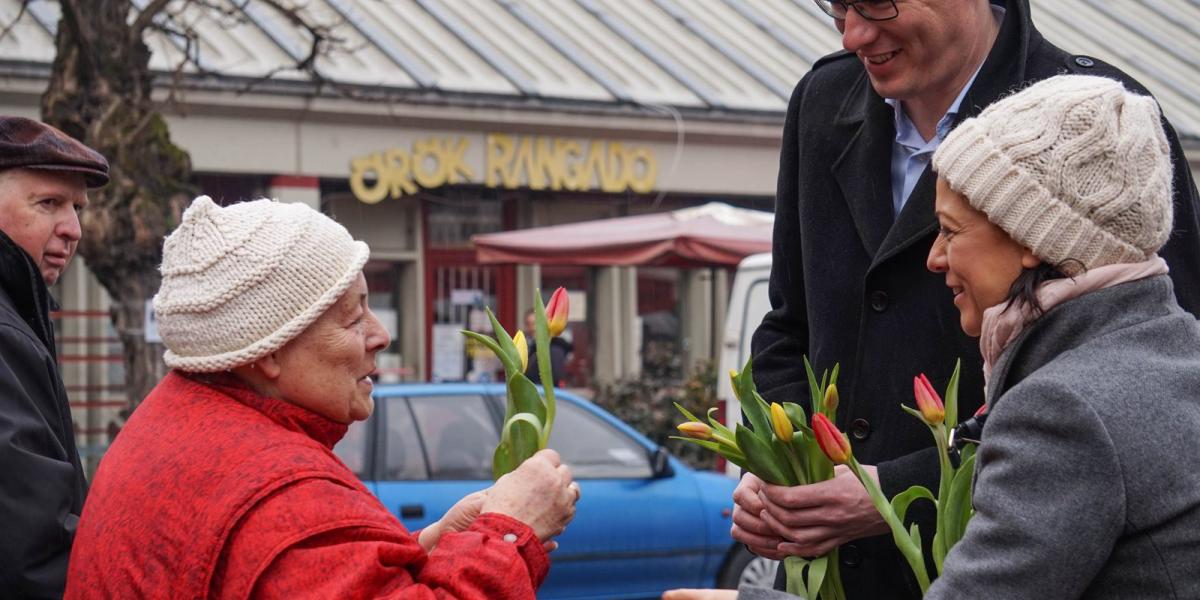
[862, 170]
[21, 281]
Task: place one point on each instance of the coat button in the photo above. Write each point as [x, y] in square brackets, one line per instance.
[850, 555]
[1085, 62]
[879, 301]
[860, 429]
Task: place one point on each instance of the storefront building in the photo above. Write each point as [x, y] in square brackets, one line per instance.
[438, 120]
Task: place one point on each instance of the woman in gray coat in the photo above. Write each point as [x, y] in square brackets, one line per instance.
[1052, 205]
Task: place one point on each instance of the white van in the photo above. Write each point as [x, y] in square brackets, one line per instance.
[748, 303]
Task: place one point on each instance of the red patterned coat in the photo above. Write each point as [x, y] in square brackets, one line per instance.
[213, 491]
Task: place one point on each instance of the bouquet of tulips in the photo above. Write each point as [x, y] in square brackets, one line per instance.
[780, 448]
[953, 501]
[528, 416]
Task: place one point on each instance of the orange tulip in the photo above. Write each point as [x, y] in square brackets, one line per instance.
[928, 401]
[556, 312]
[695, 429]
[833, 443]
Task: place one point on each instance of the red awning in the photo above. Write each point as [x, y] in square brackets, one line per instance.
[711, 235]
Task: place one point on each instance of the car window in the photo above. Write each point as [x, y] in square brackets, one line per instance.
[352, 449]
[459, 434]
[402, 456]
[594, 449]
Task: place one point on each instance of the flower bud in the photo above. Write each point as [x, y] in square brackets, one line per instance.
[556, 312]
[780, 423]
[695, 429]
[928, 401]
[522, 350]
[831, 398]
[833, 443]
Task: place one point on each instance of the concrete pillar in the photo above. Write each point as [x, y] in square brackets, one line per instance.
[304, 189]
[529, 279]
[696, 322]
[720, 306]
[618, 343]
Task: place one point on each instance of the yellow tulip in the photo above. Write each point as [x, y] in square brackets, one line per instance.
[695, 429]
[781, 423]
[522, 349]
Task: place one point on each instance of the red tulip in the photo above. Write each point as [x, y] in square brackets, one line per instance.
[928, 401]
[982, 410]
[556, 312]
[832, 442]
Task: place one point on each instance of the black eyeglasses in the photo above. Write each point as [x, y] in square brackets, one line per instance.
[871, 10]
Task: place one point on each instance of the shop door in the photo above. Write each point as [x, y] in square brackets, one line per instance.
[459, 290]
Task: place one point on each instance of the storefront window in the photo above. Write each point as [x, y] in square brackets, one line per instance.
[658, 312]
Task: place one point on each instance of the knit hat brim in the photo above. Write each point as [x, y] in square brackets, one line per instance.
[281, 336]
[974, 166]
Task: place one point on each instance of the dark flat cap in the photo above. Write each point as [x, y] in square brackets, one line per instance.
[25, 143]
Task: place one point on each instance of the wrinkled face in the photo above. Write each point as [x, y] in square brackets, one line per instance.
[980, 260]
[39, 210]
[327, 368]
[932, 47]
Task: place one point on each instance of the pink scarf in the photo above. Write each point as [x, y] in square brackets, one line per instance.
[1000, 327]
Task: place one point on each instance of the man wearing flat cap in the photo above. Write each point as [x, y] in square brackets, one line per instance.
[44, 179]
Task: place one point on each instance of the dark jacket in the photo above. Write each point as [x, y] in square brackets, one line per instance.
[849, 283]
[1080, 487]
[42, 484]
[559, 350]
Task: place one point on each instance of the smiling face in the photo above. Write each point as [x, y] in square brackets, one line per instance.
[980, 260]
[39, 210]
[327, 368]
[927, 53]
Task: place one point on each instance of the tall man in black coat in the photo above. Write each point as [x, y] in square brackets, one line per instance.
[44, 178]
[853, 224]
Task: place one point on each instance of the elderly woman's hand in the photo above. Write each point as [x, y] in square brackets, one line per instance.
[540, 493]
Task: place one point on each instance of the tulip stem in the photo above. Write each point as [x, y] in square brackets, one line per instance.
[908, 547]
[541, 334]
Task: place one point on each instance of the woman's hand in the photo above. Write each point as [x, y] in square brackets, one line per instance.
[458, 518]
[540, 493]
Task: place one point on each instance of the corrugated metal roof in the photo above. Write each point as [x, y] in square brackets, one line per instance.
[720, 55]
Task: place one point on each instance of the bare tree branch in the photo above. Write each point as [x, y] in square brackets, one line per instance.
[145, 17]
[20, 13]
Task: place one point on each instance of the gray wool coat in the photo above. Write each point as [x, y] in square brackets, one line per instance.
[1086, 484]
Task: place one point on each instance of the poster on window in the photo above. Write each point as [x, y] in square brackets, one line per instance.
[449, 352]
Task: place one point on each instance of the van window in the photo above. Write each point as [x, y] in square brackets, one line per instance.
[756, 305]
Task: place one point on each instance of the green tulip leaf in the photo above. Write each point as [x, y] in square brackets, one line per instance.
[523, 432]
[902, 500]
[816, 575]
[795, 414]
[502, 460]
[687, 413]
[814, 390]
[761, 457]
[794, 567]
[508, 348]
[939, 550]
[959, 509]
[491, 344]
[524, 398]
[951, 397]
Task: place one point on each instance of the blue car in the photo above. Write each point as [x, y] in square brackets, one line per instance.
[645, 523]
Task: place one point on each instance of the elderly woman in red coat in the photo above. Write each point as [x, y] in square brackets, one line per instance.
[223, 483]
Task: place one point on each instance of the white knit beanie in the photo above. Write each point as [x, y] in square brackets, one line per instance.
[240, 282]
[1073, 167]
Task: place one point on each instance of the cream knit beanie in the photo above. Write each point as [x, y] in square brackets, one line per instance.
[240, 282]
[1072, 167]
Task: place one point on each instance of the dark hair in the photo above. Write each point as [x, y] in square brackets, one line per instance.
[1024, 288]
